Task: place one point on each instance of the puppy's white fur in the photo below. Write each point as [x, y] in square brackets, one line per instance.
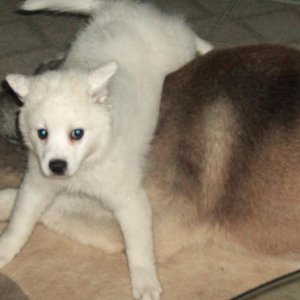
[109, 86]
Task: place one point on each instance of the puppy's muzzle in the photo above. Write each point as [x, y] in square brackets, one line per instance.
[58, 166]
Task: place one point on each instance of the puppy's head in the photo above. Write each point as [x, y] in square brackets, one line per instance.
[66, 118]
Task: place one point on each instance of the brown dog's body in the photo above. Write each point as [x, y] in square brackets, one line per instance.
[225, 160]
[226, 156]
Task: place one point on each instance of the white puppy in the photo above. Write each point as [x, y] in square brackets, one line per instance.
[89, 125]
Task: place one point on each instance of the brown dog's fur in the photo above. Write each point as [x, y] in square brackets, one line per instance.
[226, 156]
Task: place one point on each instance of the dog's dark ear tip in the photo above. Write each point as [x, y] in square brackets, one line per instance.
[7, 91]
[6, 88]
[4, 85]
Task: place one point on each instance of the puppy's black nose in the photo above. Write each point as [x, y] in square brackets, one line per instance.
[58, 166]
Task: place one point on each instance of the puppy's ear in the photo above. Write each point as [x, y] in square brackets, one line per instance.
[98, 81]
[20, 84]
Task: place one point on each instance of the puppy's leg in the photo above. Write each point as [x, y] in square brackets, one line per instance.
[134, 216]
[74, 217]
[32, 199]
[7, 200]
[84, 220]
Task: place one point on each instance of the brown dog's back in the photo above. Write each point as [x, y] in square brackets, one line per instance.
[228, 143]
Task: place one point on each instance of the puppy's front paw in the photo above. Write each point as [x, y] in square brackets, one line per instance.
[7, 251]
[5, 258]
[145, 285]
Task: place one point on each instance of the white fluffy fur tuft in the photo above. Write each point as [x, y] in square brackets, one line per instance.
[76, 6]
[203, 46]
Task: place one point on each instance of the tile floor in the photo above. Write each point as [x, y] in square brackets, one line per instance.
[28, 39]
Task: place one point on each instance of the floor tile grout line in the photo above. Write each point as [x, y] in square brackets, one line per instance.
[291, 2]
[30, 51]
[295, 40]
[265, 14]
[222, 19]
[253, 32]
[206, 10]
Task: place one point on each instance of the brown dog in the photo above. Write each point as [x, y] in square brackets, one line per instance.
[226, 155]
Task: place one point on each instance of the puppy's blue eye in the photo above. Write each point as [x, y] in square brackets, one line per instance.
[77, 134]
[42, 133]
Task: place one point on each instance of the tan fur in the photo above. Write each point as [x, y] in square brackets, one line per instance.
[177, 223]
[219, 129]
[272, 221]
